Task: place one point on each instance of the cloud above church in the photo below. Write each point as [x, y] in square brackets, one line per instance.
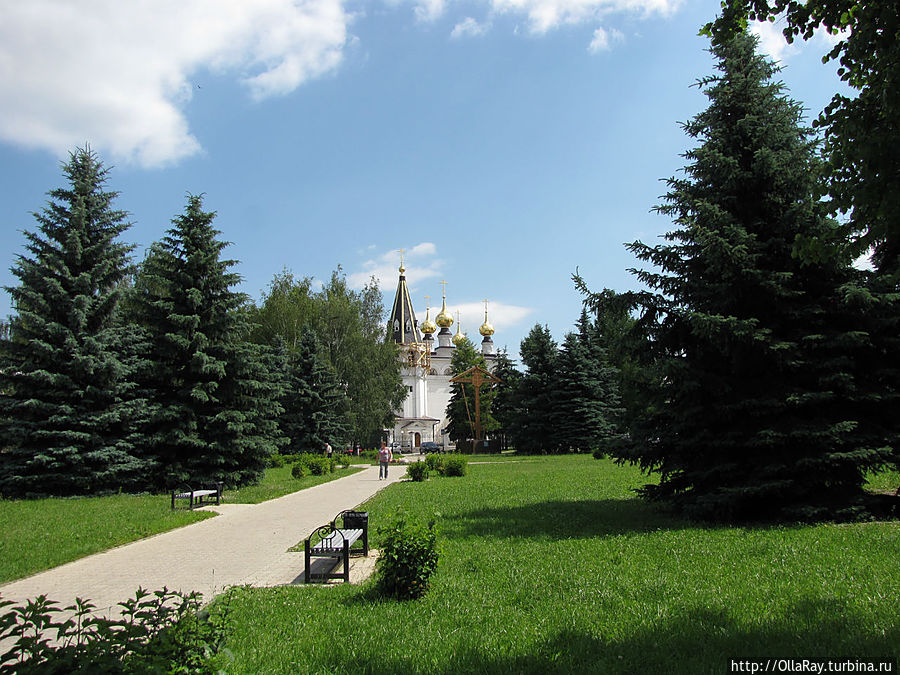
[121, 75]
[420, 262]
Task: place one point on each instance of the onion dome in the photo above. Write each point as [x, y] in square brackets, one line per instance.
[428, 327]
[486, 328]
[444, 320]
[459, 338]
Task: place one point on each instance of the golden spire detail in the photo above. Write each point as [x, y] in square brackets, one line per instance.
[486, 328]
[428, 326]
[444, 319]
[459, 337]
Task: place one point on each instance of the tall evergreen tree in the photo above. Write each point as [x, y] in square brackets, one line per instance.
[504, 405]
[756, 396]
[586, 392]
[314, 402]
[64, 413]
[533, 429]
[214, 397]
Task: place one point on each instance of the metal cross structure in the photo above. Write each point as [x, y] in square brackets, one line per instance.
[476, 376]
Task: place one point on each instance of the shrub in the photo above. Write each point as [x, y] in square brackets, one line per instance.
[418, 471]
[163, 631]
[300, 470]
[435, 462]
[274, 461]
[317, 465]
[454, 465]
[371, 455]
[409, 555]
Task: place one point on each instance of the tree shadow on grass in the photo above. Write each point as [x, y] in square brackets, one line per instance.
[567, 520]
[697, 640]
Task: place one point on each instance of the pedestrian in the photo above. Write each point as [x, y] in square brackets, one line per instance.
[328, 450]
[384, 459]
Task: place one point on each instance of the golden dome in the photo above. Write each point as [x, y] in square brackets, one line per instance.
[459, 338]
[428, 326]
[444, 320]
[486, 328]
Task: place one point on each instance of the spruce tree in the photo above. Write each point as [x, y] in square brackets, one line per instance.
[533, 429]
[65, 409]
[755, 412]
[315, 405]
[586, 396]
[504, 405]
[215, 408]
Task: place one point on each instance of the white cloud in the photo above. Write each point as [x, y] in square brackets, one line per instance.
[420, 262]
[118, 74]
[773, 43]
[603, 39]
[469, 27]
[771, 40]
[544, 15]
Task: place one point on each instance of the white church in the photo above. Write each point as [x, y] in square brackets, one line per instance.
[426, 367]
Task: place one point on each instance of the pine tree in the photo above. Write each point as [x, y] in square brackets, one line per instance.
[65, 409]
[214, 394]
[755, 404]
[533, 429]
[586, 396]
[504, 405]
[315, 406]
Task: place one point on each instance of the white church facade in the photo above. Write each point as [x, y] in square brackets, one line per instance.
[426, 368]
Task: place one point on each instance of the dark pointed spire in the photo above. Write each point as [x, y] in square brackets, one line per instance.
[403, 324]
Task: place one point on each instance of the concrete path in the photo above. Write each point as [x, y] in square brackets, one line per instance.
[244, 544]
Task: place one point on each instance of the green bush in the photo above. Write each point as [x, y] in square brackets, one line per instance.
[300, 470]
[435, 462]
[371, 455]
[317, 465]
[275, 461]
[160, 632]
[454, 465]
[417, 471]
[409, 556]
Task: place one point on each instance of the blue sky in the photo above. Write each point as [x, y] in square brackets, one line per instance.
[502, 143]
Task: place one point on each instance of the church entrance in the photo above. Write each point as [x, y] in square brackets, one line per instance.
[417, 440]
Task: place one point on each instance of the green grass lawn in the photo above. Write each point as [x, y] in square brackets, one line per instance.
[38, 534]
[554, 566]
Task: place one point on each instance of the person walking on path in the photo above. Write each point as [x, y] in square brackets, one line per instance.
[384, 459]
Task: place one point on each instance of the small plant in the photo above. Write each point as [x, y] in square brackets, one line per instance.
[454, 465]
[435, 462]
[409, 556]
[300, 470]
[417, 471]
[162, 631]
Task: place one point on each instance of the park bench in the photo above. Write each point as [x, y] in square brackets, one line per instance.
[336, 542]
[196, 498]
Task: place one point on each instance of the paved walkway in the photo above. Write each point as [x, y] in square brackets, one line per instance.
[244, 544]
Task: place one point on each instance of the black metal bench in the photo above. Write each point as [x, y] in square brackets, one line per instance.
[337, 542]
[196, 498]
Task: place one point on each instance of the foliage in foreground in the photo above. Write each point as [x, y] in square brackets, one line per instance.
[409, 556]
[553, 565]
[162, 631]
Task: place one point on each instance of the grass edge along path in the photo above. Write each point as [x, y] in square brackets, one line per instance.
[39, 534]
[556, 567]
